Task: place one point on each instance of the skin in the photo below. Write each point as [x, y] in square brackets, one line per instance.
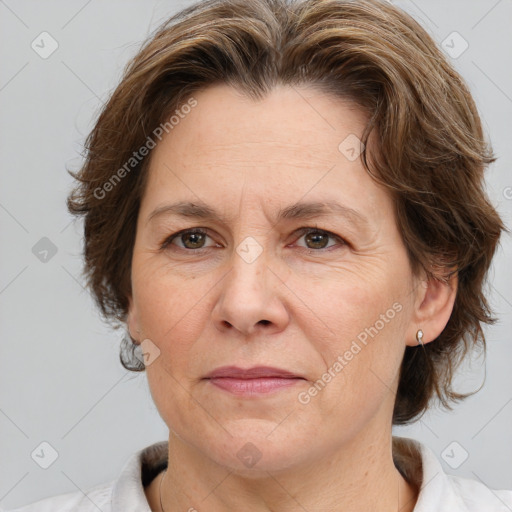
[298, 306]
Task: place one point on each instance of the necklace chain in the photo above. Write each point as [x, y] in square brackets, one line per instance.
[160, 491]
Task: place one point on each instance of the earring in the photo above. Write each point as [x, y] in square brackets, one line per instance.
[419, 337]
[128, 340]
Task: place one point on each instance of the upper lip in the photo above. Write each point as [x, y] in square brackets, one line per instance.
[252, 373]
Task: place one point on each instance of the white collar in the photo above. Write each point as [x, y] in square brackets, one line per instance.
[439, 492]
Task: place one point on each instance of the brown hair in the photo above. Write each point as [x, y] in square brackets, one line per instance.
[431, 151]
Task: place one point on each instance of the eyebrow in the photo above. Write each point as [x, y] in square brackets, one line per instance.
[300, 210]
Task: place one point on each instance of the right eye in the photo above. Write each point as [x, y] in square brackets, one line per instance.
[191, 239]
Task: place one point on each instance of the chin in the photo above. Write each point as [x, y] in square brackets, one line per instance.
[256, 448]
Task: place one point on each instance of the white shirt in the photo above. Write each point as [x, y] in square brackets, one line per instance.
[439, 492]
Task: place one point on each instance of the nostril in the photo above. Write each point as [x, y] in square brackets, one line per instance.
[264, 322]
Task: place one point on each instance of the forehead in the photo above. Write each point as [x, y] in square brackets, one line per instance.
[293, 143]
[292, 119]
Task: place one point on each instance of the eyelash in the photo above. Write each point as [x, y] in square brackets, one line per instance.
[301, 231]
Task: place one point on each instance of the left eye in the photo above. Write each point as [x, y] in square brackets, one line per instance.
[318, 238]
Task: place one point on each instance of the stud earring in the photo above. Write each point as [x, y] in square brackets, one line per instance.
[419, 337]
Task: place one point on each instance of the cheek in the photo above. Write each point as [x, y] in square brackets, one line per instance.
[171, 312]
[360, 366]
[172, 315]
[350, 308]
[363, 322]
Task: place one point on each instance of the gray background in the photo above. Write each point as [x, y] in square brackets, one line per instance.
[60, 378]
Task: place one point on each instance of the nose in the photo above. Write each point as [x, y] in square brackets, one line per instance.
[251, 299]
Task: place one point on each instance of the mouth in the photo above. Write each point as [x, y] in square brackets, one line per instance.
[253, 381]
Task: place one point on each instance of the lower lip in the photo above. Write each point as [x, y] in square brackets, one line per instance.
[249, 387]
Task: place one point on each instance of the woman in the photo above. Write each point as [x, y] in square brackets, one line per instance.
[284, 205]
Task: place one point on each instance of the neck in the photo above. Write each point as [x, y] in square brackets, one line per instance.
[334, 482]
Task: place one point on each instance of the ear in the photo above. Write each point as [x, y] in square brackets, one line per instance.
[132, 321]
[433, 308]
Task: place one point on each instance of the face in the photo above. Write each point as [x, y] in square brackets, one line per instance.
[269, 280]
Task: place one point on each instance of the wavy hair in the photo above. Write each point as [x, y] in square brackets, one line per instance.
[431, 151]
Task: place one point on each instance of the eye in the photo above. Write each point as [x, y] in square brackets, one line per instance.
[317, 239]
[191, 239]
